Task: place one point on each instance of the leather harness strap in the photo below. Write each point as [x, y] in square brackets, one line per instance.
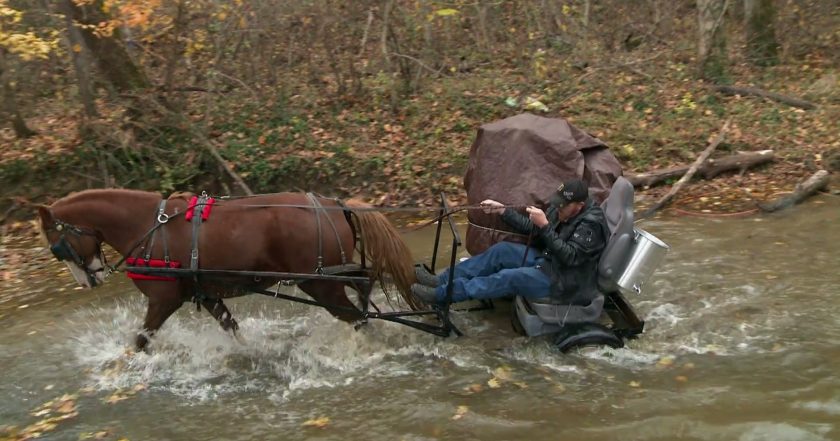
[319, 210]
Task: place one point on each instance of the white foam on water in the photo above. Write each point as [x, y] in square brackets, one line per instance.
[667, 313]
[192, 356]
[762, 431]
[831, 407]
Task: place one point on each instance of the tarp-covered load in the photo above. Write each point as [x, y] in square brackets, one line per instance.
[521, 160]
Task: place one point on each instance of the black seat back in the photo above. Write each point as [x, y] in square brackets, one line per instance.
[618, 209]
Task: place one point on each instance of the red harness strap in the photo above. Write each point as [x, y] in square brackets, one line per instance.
[154, 263]
[205, 210]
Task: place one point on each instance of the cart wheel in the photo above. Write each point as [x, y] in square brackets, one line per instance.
[586, 334]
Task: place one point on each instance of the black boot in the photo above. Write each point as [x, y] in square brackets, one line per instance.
[425, 277]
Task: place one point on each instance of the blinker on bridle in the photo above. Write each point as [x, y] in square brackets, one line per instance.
[64, 251]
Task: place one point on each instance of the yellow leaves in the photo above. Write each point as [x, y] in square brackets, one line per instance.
[64, 406]
[319, 422]
[635, 384]
[27, 45]
[121, 395]
[10, 15]
[628, 150]
[445, 12]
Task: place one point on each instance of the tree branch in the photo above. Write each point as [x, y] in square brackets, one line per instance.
[795, 102]
[689, 174]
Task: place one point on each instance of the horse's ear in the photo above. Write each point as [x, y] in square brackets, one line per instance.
[45, 214]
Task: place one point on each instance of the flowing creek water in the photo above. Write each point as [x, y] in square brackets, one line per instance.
[741, 343]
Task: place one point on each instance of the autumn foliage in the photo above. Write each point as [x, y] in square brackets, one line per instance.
[383, 98]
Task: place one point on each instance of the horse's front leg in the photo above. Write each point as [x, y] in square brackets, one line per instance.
[219, 311]
[163, 302]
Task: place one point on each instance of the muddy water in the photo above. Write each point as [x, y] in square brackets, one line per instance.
[741, 343]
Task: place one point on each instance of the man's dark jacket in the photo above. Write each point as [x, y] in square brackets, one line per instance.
[571, 249]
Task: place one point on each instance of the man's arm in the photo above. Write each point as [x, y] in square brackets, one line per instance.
[518, 221]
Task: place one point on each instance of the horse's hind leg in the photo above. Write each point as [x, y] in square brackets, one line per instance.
[219, 311]
[331, 294]
[163, 301]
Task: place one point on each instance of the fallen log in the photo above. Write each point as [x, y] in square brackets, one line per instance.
[803, 190]
[689, 174]
[709, 169]
[741, 161]
[795, 102]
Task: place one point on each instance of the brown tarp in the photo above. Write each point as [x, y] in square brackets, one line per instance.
[521, 160]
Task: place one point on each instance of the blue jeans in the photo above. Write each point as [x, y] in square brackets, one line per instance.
[497, 272]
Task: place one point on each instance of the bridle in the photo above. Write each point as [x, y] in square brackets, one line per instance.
[63, 250]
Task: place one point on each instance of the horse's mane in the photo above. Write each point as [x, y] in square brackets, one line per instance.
[99, 193]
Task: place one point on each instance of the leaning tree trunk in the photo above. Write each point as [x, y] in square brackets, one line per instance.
[111, 56]
[9, 102]
[761, 45]
[711, 57]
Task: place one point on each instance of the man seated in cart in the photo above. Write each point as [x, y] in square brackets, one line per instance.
[566, 242]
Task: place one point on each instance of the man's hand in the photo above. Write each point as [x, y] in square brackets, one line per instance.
[537, 216]
[492, 207]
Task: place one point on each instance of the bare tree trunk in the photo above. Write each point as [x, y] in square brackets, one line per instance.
[9, 106]
[711, 46]
[481, 12]
[110, 53]
[80, 55]
[175, 48]
[761, 44]
[587, 9]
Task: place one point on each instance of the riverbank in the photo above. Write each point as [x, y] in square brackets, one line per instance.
[652, 117]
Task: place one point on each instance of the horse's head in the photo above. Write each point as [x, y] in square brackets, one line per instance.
[78, 246]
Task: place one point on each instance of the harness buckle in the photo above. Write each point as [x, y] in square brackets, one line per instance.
[162, 218]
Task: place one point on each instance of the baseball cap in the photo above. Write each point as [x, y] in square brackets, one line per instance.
[572, 190]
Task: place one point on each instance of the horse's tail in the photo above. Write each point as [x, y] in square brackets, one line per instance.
[386, 250]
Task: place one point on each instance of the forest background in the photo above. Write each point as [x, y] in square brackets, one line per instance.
[382, 98]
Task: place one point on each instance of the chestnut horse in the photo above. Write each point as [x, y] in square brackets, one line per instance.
[282, 232]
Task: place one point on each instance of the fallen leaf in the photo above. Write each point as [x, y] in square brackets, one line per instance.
[460, 412]
[502, 373]
[116, 398]
[67, 407]
[475, 388]
[666, 361]
[493, 383]
[635, 384]
[317, 422]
